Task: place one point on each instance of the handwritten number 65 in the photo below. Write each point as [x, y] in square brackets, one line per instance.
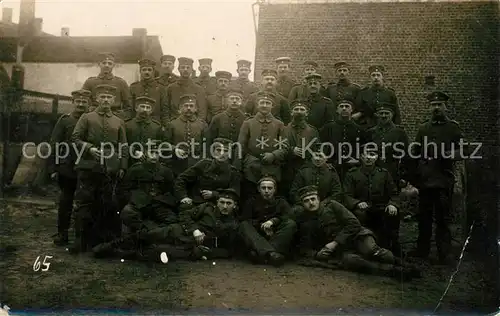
[46, 264]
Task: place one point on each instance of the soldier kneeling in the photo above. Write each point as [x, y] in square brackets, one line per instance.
[336, 232]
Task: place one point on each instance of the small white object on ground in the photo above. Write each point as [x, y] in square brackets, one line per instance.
[204, 258]
[164, 257]
[123, 260]
[213, 263]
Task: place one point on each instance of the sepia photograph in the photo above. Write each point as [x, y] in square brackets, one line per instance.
[245, 157]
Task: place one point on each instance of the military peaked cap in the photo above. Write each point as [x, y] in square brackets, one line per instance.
[223, 142]
[267, 178]
[307, 191]
[167, 57]
[283, 60]
[341, 64]
[223, 74]
[187, 98]
[185, 61]
[105, 89]
[235, 90]
[146, 62]
[299, 102]
[244, 63]
[385, 106]
[311, 63]
[376, 68]
[264, 95]
[229, 193]
[107, 56]
[269, 72]
[205, 61]
[81, 94]
[313, 76]
[145, 100]
[438, 96]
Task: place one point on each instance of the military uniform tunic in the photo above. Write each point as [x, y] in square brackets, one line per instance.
[367, 100]
[180, 88]
[122, 100]
[341, 90]
[140, 131]
[166, 79]
[280, 110]
[284, 86]
[208, 83]
[325, 178]
[226, 125]
[244, 84]
[154, 90]
[321, 111]
[216, 103]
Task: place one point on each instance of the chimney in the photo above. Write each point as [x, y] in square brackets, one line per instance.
[38, 27]
[142, 35]
[7, 15]
[64, 31]
[27, 12]
[140, 32]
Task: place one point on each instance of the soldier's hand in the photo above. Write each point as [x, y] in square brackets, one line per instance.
[187, 200]
[266, 225]
[268, 157]
[198, 236]
[206, 194]
[53, 176]
[362, 205]
[121, 173]
[181, 153]
[332, 245]
[391, 209]
[357, 115]
[352, 161]
[95, 152]
[298, 152]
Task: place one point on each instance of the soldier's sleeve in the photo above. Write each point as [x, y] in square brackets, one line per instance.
[186, 178]
[132, 96]
[80, 133]
[284, 211]
[249, 106]
[164, 110]
[324, 133]
[125, 95]
[168, 133]
[202, 104]
[359, 103]
[293, 94]
[349, 190]
[282, 150]
[129, 181]
[243, 138]
[87, 85]
[457, 135]
[204, 132]
[123, 145]
[209, 110]
[329, 110]
[350, 225]
[213, 130]
[56, 137]
[297, 183]
[335, 193]
[247, 210]
[285, 111]
[391, 190]
[187, 219]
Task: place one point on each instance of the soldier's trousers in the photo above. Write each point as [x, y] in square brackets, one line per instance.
[384, 226]
[434, 203]
[67, 186]
[280, 241]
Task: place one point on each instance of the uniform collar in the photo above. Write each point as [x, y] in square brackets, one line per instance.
[368, 171]
[148, 82]
[386, 127]
[186, 119]
[344, 82]
[184, 82]
[375, 87]
[341, 121]
[204, 77]
[314, 97]
[244, 80]
[221, 93]
[76, 115]
[439, 121]
[299, 125]
[234, 113]
[101, 112]
[264, 119]
[145, 120]
[108, 76]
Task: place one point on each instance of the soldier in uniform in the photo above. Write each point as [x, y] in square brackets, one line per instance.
[101, 135]
[217, 102]
[285, 82]
[281, 108]
[266, 227]
[299, 135]
[149, 87]
[208, 83]
[433, 176]
[187, 134]
[331, 231]
[344, 87]
[242, 82]
[300, 90]
[61, 167]
[372, 195]
[263, 144]
[368, 98]
[142, 128]
[185, 85]
[199, 183]
[321, 109]
[121, 106]
[343, 136]
[167, 77]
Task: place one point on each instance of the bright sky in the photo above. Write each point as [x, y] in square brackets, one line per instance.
[222, 30]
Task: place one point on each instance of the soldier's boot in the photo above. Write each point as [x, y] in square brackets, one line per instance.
[357, 263]
[120, 246]
[200, 253]
[61, 239]
[80, 243]
[275, 259]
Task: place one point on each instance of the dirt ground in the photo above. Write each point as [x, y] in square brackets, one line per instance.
[85, 282]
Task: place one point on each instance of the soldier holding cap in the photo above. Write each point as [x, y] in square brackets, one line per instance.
[183, 86]
[62, 168]
[300, 90]
[368, 98]
[217, 102]
[344, 86]
[208, 83]
[149, 87]
[186, 133]
[142, 129]
[433, 176]
[244, 67]
[167, 64]
[280, 109]
[101, 135]
[321, 109]
[121, 104]
[285, 82]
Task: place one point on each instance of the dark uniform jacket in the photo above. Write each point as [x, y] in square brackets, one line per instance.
[226, 125]
[298, 91]
[122, 101]
[321, 111]
[244, 84]
[208, 83]
[180, 88]
[373, 186]
[367, 100]
[325, 178]
[257, 210]
[280, 110]
[337, 91]
[299, 134]
[284, 86]
[207, 174]
[98, 127]
[62, 134]
[140, 130]
[154, 90]
[216, 103]
[436, 173]
[166, 79]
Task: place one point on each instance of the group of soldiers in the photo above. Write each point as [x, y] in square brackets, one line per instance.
[269, 202]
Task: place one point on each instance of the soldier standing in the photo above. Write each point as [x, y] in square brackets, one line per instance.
[434, 176]
[217, 102]
[61, 167]
[321, 109]
[167, 64]
[208, 83]
[285, 82]
[344, 87]
[121, 106]
[101, 135]
[281, 108]
[228, 123]
[368, 98]
[244, 67]
[187, 134]
[300, 90]
[149, 87]
[183, 86]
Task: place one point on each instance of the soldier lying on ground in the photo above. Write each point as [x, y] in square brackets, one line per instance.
[266, 227]
[337, 234]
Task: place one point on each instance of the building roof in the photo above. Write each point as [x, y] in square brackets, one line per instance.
[9, 29]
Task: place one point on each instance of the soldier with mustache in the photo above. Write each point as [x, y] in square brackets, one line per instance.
[167, 64]
[217, 102]
[284, 83]
[208, 82]
[300, 90]
[337, 91]
[242, 82]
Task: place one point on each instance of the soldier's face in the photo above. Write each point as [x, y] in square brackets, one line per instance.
[188, 108]
[167, 66]
[222, 83]
[438, 108]
[185, 71]
[220, 153]
[243, 72]
[143, 110]
[153, 156]
[264, 106]
[384, 116]
[319, 159]
[369, 158]
[81, 105]
[299, 111]
[235, 101]
[267, 189]
[377, 77]
[283, 69]
[147, 72]
[343, 72]
[226, 205]
[311, 203]
[269, 82]
[205, 69]
[105, 100]
[344, 109]
[309, 70]
[313, 85]
[106, 65]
